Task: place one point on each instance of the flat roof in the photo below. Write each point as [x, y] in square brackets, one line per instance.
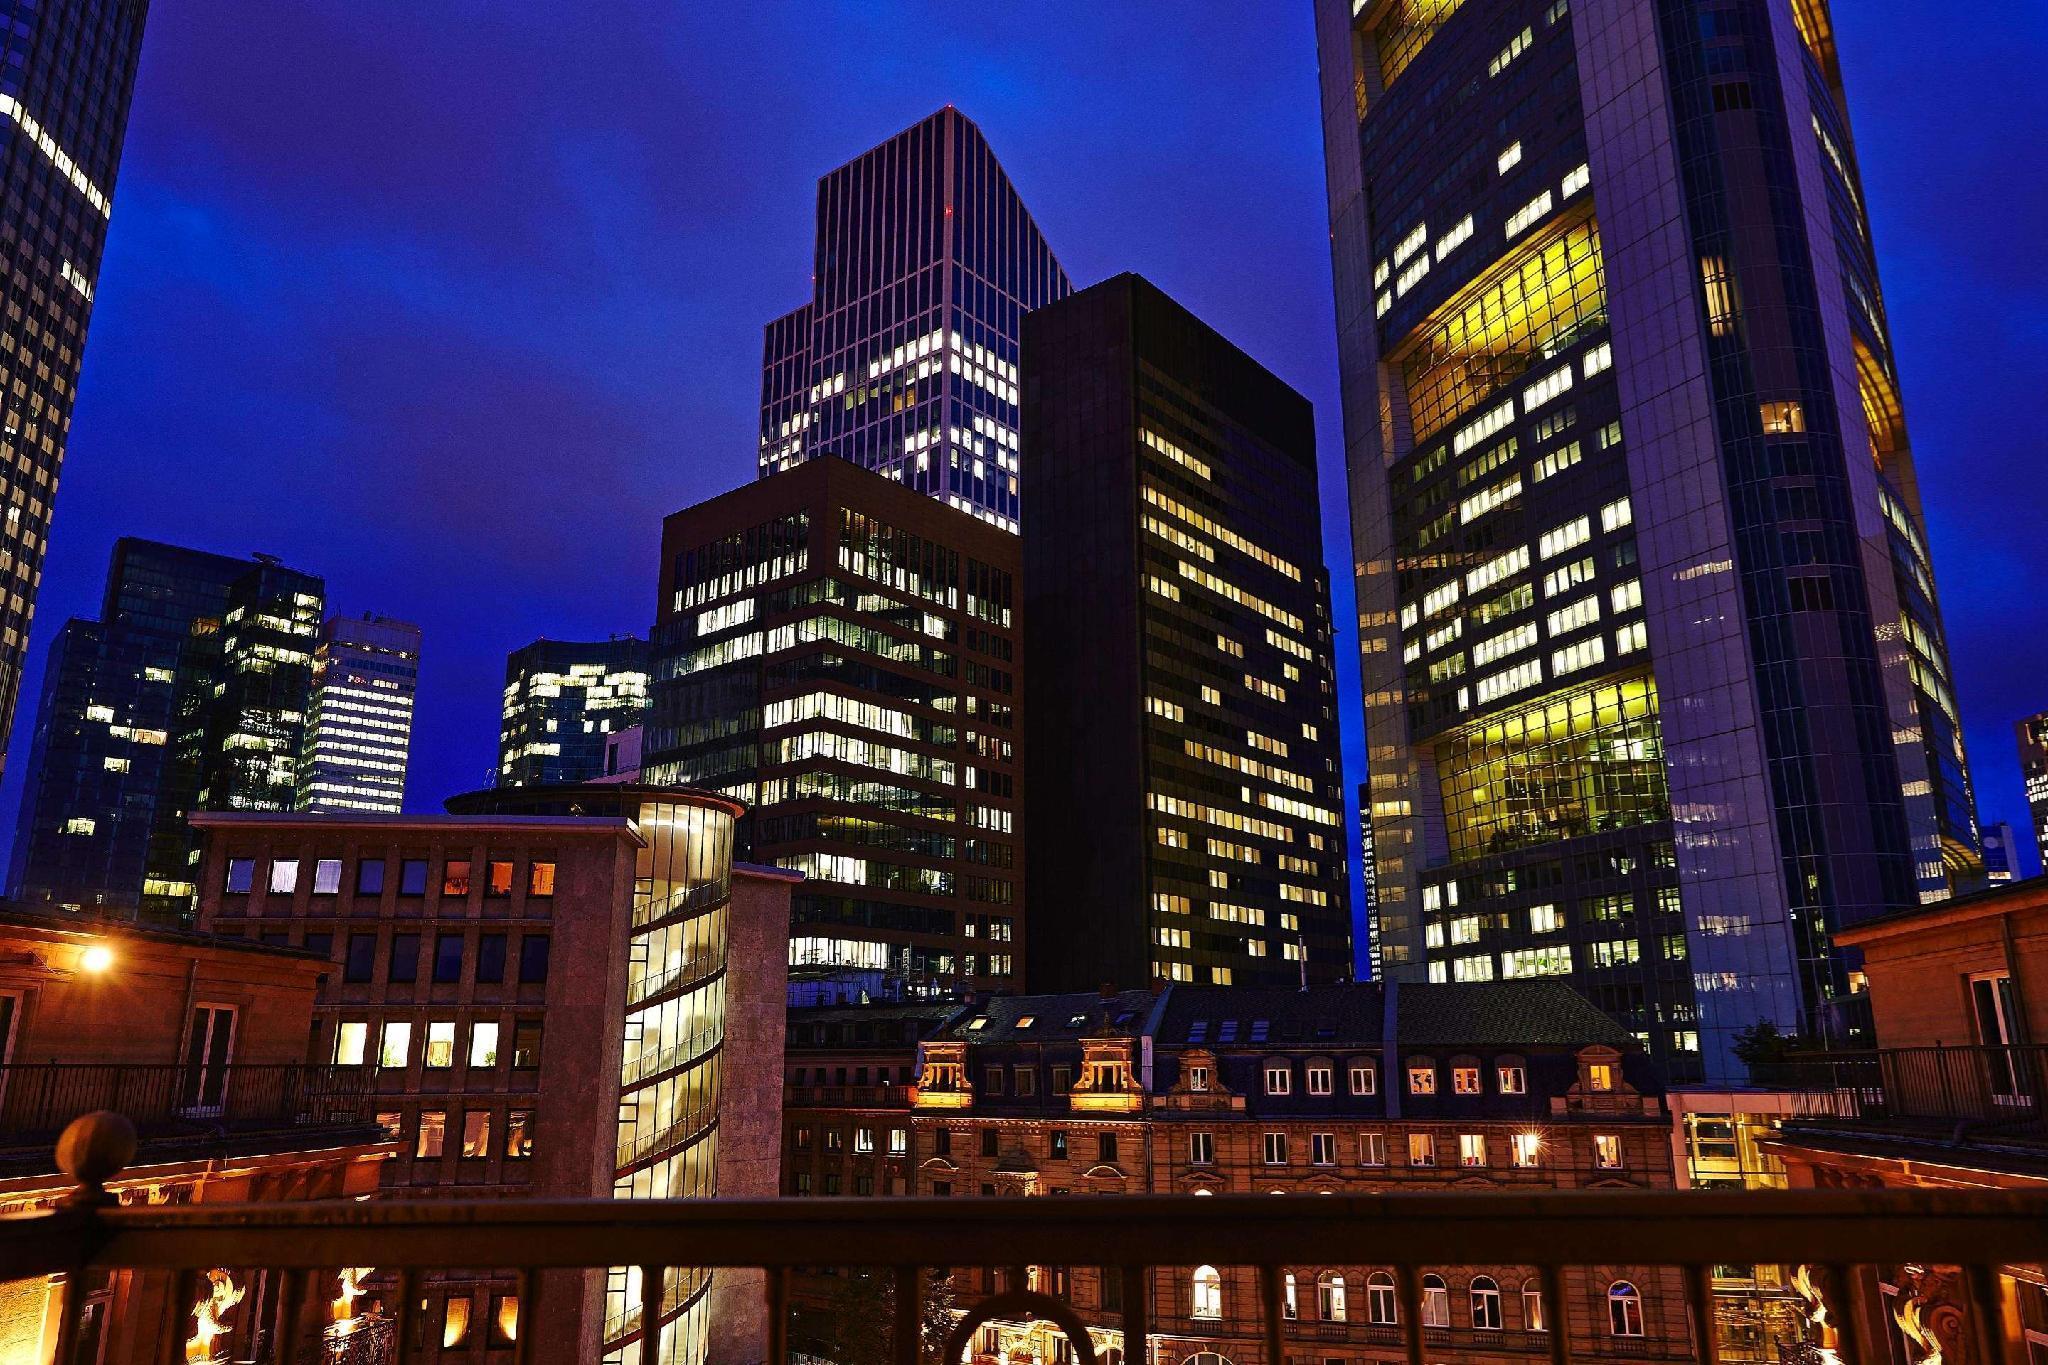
[596, 826]
[20, 921]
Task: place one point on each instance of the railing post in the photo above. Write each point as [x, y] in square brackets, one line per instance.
[291, 1305]
[1137, 1313]
[1411, 1311]
[651, 1277]
[1699, 1293]
[405, 1328]
[908, 1347]
[1270, 1316]
[1854, 1330]
[1986, 1314]
[777, 1287]
[1559, 1321]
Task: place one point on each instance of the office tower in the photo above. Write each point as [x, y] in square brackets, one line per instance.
[2001, 853]
[562, 698]
[2033, 740]
[68, 72]
[905, 359]
[1654, 676]
[1186, 796]
[840, 654]
[101, 751]
[359, 726]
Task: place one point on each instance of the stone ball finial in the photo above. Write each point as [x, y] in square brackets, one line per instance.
[93, 1148]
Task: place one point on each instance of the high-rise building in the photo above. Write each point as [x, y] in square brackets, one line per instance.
[2001, 852]
[359, 727]
[840, 654]
[1186, 795]
[101, 756]
[68, 72]
[1654, 678]
[905, 359]
[2033, 739]
[562, 698]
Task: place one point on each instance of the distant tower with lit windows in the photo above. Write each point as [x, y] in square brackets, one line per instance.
[359, 726]
[65, 82]
[905, 359]
[1656, 694]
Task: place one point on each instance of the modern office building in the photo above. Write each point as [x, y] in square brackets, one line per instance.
[2033, 741]
[122, 699]
[1655, 687]
[359, 725]
[840, 653]
[1185, 790]
[562, 699]
[68, 72]
[545, 985]
[905, 359]
[2001, 853]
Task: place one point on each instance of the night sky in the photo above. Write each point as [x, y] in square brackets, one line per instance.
[452, 301]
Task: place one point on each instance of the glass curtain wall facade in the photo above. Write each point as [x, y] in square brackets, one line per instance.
[244, 682]
[1186, 792]
[674, 1026]
[2033, 741]
[1655, 688]
[67, 70]
[563, 698]
[905, 359]
[359, 727]
[841, 654]
[101, 753]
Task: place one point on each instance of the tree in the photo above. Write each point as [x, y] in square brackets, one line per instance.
[856, 1329]
[1761, 1046]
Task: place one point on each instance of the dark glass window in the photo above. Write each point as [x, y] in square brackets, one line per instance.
[533, 959]
[526, 1034]
[370, 877]
[490, 957]
[1105, 1146]
[362, 957]
[989, 1140]
[241, 876]
[412, 877]
[447, 959]
[321, 943]
[405, 958]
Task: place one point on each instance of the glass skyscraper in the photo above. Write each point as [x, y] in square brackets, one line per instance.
[67, 69]
[562, 699]
[1655, 685]
[187, 694]
[905, 359]
[1185, 799]
[359, 727]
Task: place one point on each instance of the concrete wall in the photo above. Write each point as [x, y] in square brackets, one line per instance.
[750, 1094]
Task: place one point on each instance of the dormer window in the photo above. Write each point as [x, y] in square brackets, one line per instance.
[1513, 1080]
[1600, 1076]
[1027, 1021]
[1363, 1080]
[1198, 1078]
[1322, 1078]
[1465, 1080]
[1422, 1080]
[1077, 1021]
[1279, 1080]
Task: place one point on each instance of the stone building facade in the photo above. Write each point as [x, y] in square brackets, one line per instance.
[1357, 1088]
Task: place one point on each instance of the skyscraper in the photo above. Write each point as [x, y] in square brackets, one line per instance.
[840, 654]
[1655, 681]
[2001, 852]
[2033, 739]
[1185, 795]
[118, 751]
[65, 82]
[905, 359]
[359, 727]
[562, 698]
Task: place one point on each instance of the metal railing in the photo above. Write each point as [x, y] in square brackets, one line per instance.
[37, 1099]
[1997, 1090]
[1557, 1233]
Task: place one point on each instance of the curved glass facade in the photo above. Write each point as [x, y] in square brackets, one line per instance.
[673, 1025]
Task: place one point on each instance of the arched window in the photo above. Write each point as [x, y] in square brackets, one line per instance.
[1379, 1299]
[1624, 1309]
[1436, 1302]
[1330, 1305]
[1206, 1358]
[1485, 1303]
[1208, 1292]
[1535, 1317]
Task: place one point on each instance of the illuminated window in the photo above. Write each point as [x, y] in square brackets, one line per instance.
[1600, 1076]
[1527, 1149]
[476, 1134]
[1381, 1304]
[1436, 1302]
[1783, 419]
[540, 880]
[440, 1049]
[1372, 1149]
[1534, 1318]
[1465, 1080]
[1422, 1080]
[396, 1047]
[1330, 1304]
[483, 1044]
[1208, 1293]
[1421, 1149]
[433, 1131]
[1514, 1080]
[1472, 1149]
[1607, 1151]
[455, 1322]
[80, 824]
[351, 1042]
[1720, 294]
[1486, 1315]
[1624, 1310]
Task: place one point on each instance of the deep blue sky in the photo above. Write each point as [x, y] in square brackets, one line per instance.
[453, 301]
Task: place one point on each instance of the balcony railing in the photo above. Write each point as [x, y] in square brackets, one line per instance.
[37, 1100]
[1956, 1091]
[1833, 1232]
